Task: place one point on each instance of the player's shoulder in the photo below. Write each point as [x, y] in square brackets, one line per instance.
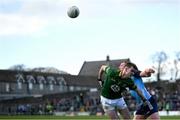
[111, 69]
[135, 78]
[130, 80]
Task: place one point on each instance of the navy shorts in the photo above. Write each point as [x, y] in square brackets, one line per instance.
[144, 110]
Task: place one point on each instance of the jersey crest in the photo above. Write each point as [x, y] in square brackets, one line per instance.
[115, 88]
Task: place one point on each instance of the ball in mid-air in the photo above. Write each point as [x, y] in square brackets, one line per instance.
[73, 12]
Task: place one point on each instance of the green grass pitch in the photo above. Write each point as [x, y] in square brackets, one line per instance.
[46, 117]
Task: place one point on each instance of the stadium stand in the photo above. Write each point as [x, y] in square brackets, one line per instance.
[51, 93]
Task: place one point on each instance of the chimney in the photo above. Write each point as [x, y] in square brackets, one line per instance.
[107, 58]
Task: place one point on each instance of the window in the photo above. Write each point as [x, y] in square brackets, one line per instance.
[62, 84]
[19, 83]
[30, 80]
[7, 87]
[71, 88]
[41, 80]
[41, 86]
[30, 85]
[51, 87]
[20, 80]
[51, 82]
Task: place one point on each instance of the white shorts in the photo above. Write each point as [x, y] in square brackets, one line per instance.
[109, 104]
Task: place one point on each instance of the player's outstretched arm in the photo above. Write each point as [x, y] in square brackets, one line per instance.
[145, 101]
[101, 70]
[147, 72]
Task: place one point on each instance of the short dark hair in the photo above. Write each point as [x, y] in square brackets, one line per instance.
[136, 71]
[130, 64]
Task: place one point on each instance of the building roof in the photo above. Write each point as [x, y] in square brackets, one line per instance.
[10, 76]
[91, 68]
[72, 81]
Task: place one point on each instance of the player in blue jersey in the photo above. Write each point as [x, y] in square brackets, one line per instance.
[143, 112]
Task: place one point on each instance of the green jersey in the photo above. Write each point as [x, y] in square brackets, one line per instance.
[114, 85]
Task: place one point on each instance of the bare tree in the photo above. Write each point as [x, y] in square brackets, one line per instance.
[21, 67]
[49, 70]
[159, 58]
[18, 67]
[177, 59]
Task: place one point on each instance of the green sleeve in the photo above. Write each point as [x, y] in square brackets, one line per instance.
[107, 69]
[111, 72]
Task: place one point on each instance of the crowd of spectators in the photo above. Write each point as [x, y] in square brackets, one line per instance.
[167, 101]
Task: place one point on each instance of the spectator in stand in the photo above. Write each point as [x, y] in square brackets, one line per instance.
[167, 107]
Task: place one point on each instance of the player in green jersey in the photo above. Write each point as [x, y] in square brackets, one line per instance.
[115, 82]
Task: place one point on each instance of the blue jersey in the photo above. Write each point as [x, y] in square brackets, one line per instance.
[140, 85]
